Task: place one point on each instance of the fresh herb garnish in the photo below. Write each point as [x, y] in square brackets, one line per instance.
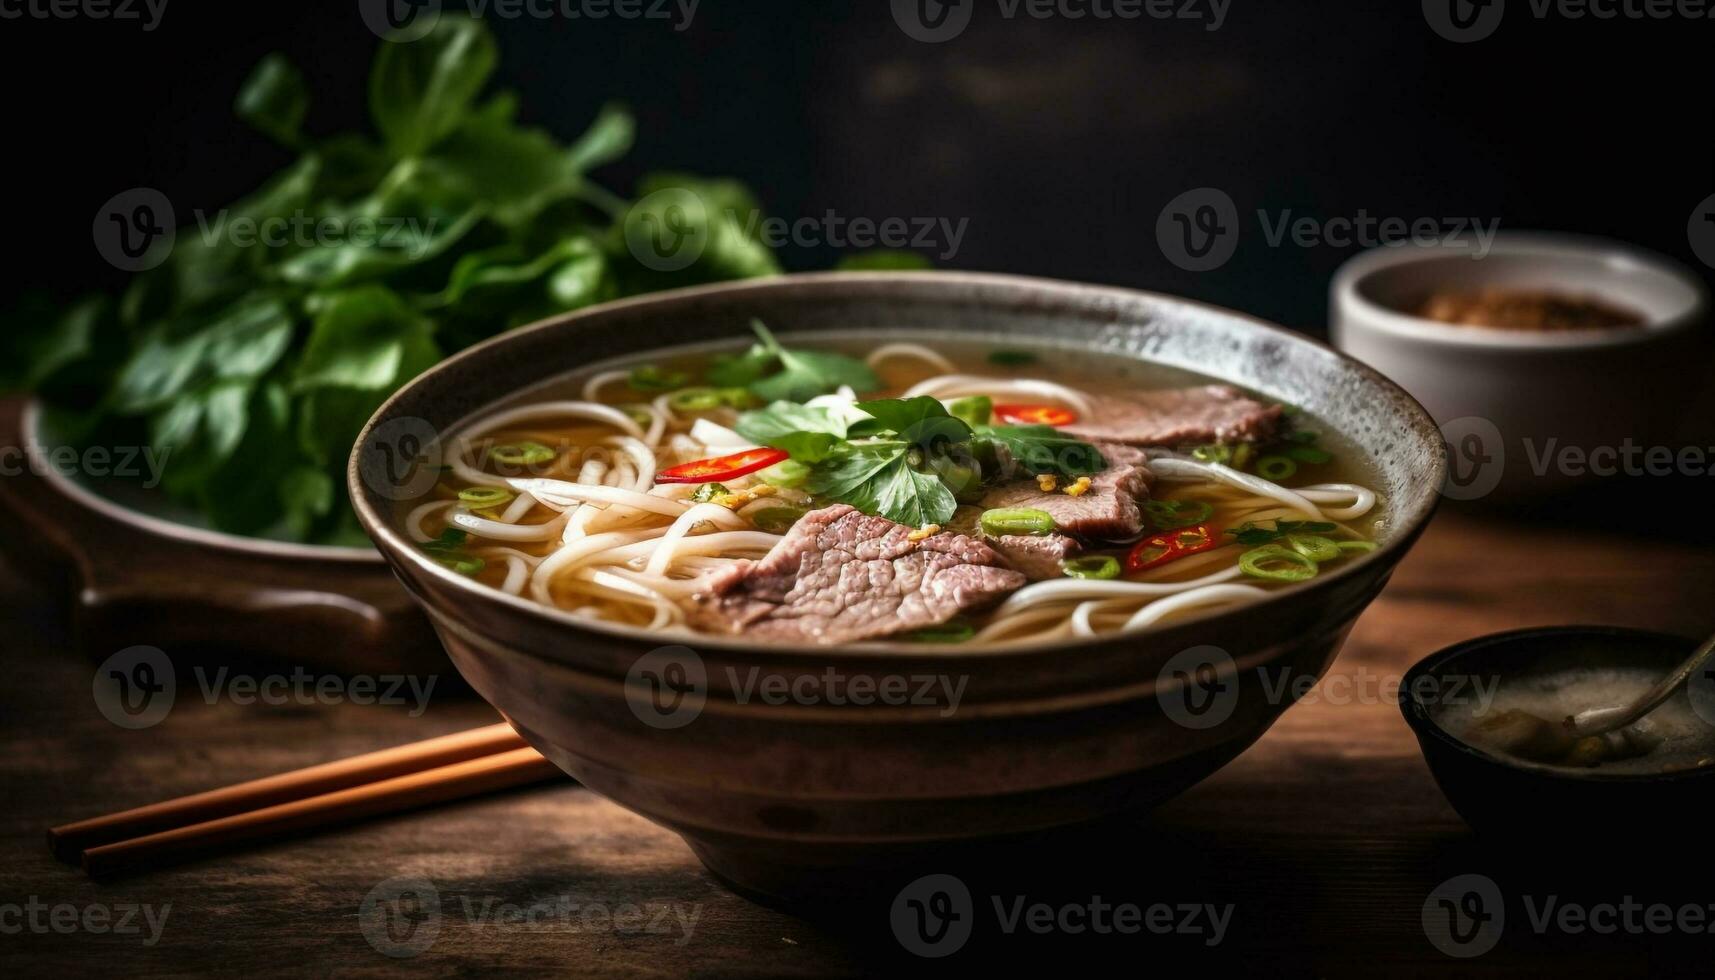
[908, 459]
[1254, 534]
[448, 550]
[256, 364]
[1011, 358]
[776, 373]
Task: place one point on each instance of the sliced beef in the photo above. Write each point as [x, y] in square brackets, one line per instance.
[1214, 413]
[1038, 557]
[1108, 509]
[840, 576]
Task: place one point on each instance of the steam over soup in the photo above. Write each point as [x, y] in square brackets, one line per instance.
[957, 492]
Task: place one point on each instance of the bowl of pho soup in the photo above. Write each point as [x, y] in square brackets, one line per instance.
[828, 573]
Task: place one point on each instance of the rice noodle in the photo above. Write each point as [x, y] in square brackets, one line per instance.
[968, 384]
[618, 547]
[931, 357]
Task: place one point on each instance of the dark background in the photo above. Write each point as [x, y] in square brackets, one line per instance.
[1059, 140]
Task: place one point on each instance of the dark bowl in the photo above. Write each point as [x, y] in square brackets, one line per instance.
[1523, 803]
[806, 799]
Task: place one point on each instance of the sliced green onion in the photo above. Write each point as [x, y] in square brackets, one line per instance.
[1308, 454]
[1313, 547]
[695, 400]
[1277, 564]
[450, 541]
[709, 491]
[648, 377]
[1358, 547]
[1101, 567]
[641, 414]
[1213, 454]
[522, 454]
[1303, 437]
[462, 564]
[736, 397]
[777, 520]
[1011, 358]
[1168, 515]
[954, 631]
[1275, 468]
[788, 473]
[482, 498]
[975, 410]
[1016, 520]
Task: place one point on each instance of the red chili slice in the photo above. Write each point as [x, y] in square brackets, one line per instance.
[1035, 415]
[1169, 546]
[721, 467]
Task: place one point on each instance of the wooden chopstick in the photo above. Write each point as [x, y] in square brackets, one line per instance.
[504, 770]
[68, 842]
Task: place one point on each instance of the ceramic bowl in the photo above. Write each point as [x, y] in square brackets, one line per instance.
[808, 800]
[1521, 803]
[1531, 414]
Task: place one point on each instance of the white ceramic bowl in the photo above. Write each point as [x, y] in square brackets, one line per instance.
[1529, 413]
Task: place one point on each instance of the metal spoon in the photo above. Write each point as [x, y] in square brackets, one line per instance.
[1601, 721]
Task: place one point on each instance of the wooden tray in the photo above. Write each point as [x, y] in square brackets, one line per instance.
[135, 579]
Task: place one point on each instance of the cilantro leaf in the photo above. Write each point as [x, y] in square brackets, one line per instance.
[1044, 449]
[775, 373]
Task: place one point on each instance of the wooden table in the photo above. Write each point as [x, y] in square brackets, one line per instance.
[1326, 837]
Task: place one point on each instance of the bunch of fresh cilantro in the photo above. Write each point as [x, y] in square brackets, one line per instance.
[910, 459]
[252, 365]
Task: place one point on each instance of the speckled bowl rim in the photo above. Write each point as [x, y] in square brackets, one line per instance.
[1413, 516]
[1418, 717]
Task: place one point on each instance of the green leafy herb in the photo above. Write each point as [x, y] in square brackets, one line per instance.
[1254, 534]
[776, 373]
[257, 360]
[1044, 449]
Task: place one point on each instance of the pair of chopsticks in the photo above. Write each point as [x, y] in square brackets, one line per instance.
[451, 767]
